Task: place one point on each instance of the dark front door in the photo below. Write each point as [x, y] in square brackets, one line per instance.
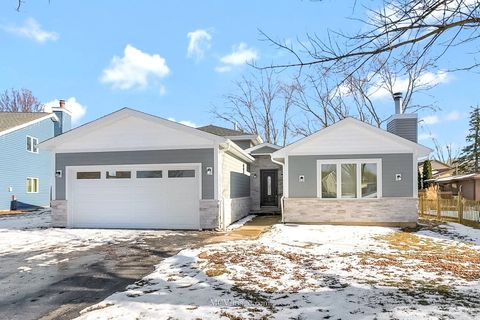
[268, 188]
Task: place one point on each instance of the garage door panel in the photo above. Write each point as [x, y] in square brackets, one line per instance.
[153, 202]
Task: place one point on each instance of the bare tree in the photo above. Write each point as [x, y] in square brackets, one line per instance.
[261, 105]
[395, 30]
[21, 100]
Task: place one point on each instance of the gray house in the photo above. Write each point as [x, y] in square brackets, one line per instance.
[130, 169]
[353, 173]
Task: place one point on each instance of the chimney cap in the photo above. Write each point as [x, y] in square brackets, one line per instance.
[397, 95]
[61, 102]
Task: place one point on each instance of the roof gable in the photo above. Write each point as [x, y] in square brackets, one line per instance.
[263, 148]
[351, 136]
[129, 129]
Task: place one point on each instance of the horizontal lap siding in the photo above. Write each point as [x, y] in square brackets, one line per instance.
[203, 156]
[235, 181]
[16, 164]
[391, 164]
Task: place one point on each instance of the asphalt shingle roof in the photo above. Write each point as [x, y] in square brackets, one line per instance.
[10, 120]
[223, 132]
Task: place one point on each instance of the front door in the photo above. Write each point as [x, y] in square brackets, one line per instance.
[268, 188]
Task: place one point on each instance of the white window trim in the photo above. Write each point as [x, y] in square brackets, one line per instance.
[31, 144]
[358, 162]
[38, 184]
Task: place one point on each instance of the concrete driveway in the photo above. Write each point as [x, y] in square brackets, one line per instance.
[48, 273]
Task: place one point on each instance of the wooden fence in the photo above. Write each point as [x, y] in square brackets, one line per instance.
[450, 208]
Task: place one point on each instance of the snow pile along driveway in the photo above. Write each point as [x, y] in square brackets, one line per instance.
[313, 272]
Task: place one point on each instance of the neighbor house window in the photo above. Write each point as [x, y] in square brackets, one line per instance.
[32, 185]
[32, 144]
[349, 179]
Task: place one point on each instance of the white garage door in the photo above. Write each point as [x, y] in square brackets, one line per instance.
[140, 196]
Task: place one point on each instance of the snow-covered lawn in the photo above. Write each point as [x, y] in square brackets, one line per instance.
[32, 235]
[313, 272]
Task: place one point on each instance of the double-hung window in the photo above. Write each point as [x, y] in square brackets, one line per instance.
[32, 144]
[349, 178]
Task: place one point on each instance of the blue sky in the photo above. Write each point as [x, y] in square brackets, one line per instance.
[102, 56]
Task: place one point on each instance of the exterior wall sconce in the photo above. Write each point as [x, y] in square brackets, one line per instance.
[209, 171]
[301, 178]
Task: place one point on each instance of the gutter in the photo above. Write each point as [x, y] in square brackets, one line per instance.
[283, 194]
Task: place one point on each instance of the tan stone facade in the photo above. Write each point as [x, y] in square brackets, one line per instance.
[59, 213]
[209, 210]
[384, 211]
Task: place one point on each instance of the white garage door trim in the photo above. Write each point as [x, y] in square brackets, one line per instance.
[71, 171]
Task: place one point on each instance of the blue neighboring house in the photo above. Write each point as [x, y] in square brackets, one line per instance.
[27, 171]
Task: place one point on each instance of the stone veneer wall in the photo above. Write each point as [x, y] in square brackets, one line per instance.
[262, 162]
[236, 209]
[209, 212]
[384, 211]
[59, 213]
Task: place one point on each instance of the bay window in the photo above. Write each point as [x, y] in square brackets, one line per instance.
[349, 179]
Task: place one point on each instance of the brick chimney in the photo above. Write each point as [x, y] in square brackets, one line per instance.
[61, 102]
[403, 124]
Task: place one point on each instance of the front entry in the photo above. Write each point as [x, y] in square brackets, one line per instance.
[268, 188]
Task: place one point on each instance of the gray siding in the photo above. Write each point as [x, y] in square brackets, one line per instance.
[391, 164]
[203, 156]
[404, 127]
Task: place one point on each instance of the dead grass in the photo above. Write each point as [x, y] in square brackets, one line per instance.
[410, 251]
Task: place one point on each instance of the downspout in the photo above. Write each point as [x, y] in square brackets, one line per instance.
[283, 194]
[223, 227]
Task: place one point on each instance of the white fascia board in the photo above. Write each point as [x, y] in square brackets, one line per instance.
[233, 148]
[123, 113]
[24, 125]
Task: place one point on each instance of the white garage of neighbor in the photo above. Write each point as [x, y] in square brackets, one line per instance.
[130, 169]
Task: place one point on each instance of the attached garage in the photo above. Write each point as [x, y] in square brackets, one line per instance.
[130, 169]
[140, 196]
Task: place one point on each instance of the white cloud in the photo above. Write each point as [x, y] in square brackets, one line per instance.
[452, 116]
[33, 30]
[184, 122]
[240, 55]
[199, 42]
[401, 85]
[135, 69]
[434, 119]
[426, 136]
[71, 104]
[430, 120]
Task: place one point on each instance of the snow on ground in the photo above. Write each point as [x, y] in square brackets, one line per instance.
[31, 234]
[312, 272]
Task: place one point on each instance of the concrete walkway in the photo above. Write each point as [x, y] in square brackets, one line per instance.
[249, 231]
